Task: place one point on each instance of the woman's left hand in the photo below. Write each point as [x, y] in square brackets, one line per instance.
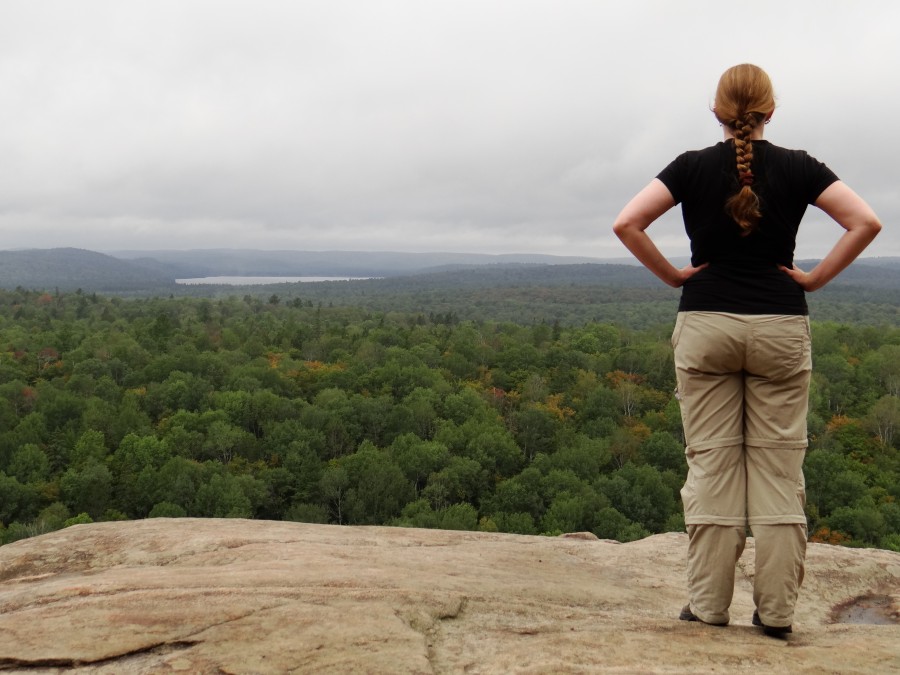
[802, 278]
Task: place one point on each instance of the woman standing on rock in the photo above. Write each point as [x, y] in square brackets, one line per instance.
[742, 342]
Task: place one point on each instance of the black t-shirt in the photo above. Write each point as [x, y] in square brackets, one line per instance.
[743, 275]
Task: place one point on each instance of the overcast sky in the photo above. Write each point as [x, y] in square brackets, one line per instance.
[488, 126]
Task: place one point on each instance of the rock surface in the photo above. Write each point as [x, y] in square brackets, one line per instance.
[239, 596]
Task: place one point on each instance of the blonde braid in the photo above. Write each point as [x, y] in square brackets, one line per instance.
[744, 206]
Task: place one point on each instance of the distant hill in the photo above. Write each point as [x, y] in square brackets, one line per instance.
[884, 261]
[143, 272]
[74, 268]
[523, 275]
[231, 262]
[881, 273]
[867, 272]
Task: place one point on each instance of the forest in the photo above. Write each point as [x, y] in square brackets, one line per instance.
[293, 406]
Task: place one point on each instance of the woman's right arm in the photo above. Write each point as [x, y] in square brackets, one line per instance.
[646, 206]
[852, 213]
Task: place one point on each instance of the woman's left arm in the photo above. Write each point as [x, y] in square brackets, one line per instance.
[646, 206]
[851, 212]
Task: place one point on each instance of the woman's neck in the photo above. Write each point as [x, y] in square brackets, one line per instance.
[756, 135]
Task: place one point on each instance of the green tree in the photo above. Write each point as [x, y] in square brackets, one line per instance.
[377, 489]
[332, 415]
[179, 391]
[535, 429]
[459, 517]
[177, 482]
[611, 524]
[418, 459]
[488, 443]
[333, 486]
[307, 513]
[832, 481]
[60, 408]
[463, 480]
[566, 513]
[516, 523]
[134, 467]
[167, 510]
[641, 494]
[225, 441]
[17, 502]
[30, 464]
[421, 407]
[663, 451]
[87, 489]
[884, 418]
[862, 521]
[89, 446]
[584, 456]
[227, 496]
[520, 494]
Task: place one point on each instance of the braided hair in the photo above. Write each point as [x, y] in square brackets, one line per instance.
[744, 98]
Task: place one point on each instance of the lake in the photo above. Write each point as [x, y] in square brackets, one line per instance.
[258, 281]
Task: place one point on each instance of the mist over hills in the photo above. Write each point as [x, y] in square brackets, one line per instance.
[73, 268]
[232, 262]
[155, 272]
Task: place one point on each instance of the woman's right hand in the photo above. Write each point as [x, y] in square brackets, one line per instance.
[686, 273]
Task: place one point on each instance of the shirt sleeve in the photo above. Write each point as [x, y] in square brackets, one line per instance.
[673, 177]
[819, 177]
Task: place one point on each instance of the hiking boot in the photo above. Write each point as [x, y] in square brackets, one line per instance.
[772, 631]
[688, 615]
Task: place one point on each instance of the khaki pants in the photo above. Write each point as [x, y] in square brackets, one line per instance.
[743, 385]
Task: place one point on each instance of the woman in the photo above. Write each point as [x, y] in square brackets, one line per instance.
[741, 340]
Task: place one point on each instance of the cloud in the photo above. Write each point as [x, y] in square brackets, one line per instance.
[499, 126]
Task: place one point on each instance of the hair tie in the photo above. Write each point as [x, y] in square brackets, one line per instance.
[747, 179]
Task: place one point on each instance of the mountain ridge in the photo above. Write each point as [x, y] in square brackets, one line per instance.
[157, 271]
[73, 268]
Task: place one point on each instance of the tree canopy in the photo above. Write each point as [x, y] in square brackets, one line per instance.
[274, 408]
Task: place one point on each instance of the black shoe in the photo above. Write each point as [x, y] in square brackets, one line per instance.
[771, 631]
[688, 615]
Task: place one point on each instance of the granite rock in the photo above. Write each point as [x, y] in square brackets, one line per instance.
[241, 596]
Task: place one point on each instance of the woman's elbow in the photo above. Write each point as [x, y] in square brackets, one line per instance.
[869, 227]
[623, 227]
[874, 226]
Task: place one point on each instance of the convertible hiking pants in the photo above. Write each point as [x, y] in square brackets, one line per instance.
[743, 385]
